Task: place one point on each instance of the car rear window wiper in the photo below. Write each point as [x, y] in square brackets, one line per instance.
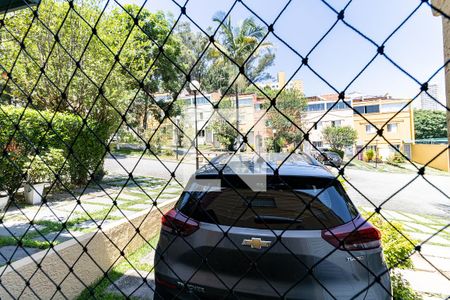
[275, 220]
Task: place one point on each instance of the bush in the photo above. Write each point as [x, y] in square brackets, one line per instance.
[395, 158]
[401, 289]
[65, 131]
[43, 167]
[369, 154]
[11, 177]
[396, 250]
[168, 152]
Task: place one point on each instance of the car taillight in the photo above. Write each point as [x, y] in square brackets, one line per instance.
[176, 222]
[346, 237]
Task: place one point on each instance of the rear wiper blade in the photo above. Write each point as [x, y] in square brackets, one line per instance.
[275, 220]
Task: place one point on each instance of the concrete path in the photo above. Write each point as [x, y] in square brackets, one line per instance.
[132, 197]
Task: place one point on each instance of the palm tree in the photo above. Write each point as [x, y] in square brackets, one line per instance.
[239, 43]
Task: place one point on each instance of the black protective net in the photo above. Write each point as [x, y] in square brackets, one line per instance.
[97, 95]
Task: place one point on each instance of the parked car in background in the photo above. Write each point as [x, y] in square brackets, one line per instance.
[300, 238]
[329, 158]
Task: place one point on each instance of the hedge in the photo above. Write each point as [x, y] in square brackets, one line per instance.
[63, 132]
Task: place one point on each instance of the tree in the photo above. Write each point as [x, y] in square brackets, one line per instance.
[291, 103]
[430, 124]
[224, 132]
[50, 70]
[141, 55]
[83, 72]
[241, 44]
[339, 137]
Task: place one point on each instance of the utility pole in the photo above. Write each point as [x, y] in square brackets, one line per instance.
[194, 85]
[237, 113]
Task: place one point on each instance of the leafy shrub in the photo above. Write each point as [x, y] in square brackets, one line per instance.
[168, 152]
[369, 155]
[42, 168]
[11, 177]
[396, 250]
[37, 170]
[401, 289]
[65, 131]
[396, 158]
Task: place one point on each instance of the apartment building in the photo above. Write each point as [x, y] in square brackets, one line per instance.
[395, 116]
[323, 111]
[205, 109]
[362, 112]
[295, 84]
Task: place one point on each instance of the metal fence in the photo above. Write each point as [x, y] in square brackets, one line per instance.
[27, 230]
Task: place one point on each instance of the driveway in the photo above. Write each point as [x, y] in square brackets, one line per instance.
[124, 164]
[419, 197]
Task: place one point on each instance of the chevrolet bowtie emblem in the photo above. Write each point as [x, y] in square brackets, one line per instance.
[256, 243]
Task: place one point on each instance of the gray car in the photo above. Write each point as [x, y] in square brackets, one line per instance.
[249, 228]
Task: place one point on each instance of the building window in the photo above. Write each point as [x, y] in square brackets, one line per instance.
[336, 123]
[245, 102]
[201, 116]
[372, 109]
[317, 144]
[368, 109]
[339, 105]
[371, 147]
[318, 125]
[316, 107]
[392, 127]
[201, 133]
[370, 129]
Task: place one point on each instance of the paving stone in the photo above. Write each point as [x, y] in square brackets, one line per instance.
[439, 227]
[437, 239]
[420, 227]
[422, 263]
[149, 258]
[18, 229]
[88, 207]
[128, 197]
[7, 253]
[45, 214]
[392, 215]
[427, 282]
[100, 201]
[437, 251]
[132, 284]
[172, 190]
[91, 224]
[60, 236]
[140, 206]
[421, 219]
[128, 213]
[63, 205]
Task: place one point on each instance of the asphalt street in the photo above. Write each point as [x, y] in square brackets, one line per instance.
[402, 192]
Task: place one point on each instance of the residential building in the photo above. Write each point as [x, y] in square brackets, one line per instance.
[395, 116]
[295, 84]
[323, 111]
[205, 109]
[430, 100]
[362, 112]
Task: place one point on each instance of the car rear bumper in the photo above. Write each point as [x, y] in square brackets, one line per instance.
[191, 291]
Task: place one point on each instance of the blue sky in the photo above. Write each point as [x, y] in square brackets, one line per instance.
[416, 47]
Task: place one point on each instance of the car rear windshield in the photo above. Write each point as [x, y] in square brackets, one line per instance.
[284, 205]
